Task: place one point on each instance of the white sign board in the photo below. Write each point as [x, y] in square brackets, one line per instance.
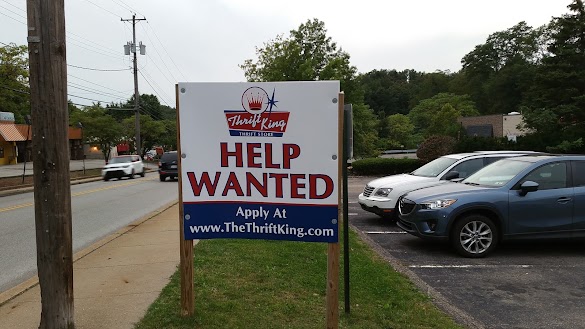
[260, 160]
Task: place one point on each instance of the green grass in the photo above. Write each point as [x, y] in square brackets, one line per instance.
[275, 284]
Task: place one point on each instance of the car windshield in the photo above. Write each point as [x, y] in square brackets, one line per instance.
[497, 174]
[121, 159]
[434, 168]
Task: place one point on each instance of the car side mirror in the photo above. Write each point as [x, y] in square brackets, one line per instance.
[528, 186]
[451, 175]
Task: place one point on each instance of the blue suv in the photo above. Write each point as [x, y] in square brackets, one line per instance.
[514, 198]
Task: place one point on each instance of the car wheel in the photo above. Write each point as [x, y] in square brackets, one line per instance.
[142, 173]
[474, 236]
[132, 174]
[106, 179]
[162, 178]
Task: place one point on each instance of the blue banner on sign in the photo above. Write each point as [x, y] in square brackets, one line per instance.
[293, 222]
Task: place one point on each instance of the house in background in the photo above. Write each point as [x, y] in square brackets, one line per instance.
[496, 125]
[16, 141]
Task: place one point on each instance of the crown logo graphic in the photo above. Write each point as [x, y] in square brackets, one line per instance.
[255, 103]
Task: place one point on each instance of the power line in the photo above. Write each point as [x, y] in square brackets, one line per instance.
[104, 9]
[81, 87]
[164, 48]
[93, 83]
[1, 13]
[15, 13]
[28, 93]
[70, 35]
[94, 69]
[161, 58]
[125, 6]
[155, 89]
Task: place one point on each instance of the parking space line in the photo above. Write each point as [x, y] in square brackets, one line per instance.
[386, 232]
[469, 266]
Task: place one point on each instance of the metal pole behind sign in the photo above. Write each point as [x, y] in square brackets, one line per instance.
[347, 113]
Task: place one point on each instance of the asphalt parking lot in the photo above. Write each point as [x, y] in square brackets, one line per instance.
[538, 284]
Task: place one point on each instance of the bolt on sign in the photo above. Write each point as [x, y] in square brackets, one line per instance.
[259, 160]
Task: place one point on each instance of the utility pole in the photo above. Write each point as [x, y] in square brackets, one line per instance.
[128, 49]
[50, 145]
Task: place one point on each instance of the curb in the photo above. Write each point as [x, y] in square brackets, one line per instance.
[23, 287]
[459, 315]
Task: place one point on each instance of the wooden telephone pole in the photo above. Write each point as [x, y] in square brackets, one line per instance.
[50, 146]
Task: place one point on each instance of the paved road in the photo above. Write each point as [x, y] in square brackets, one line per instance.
[98, 209]
[521, 285]
[17, 169]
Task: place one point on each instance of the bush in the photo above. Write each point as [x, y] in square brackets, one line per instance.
[472, 144]
[384, 166]
[434, 147]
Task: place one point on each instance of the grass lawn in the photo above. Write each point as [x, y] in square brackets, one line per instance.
[275, 284]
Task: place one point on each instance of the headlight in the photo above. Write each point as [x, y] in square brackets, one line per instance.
[438, 204]
[383, 192]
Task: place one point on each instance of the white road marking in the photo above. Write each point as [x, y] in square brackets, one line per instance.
[352, 214]
[468, 266]
[386, 232]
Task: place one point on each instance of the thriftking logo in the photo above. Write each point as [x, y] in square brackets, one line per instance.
[258, 118]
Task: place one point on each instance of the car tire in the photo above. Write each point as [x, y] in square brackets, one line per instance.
[142, 173]
[162, 178]
[474, 236]
[106, 179]
[132, 174]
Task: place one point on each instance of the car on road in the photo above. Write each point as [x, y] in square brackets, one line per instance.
[380, 195]
[123, 166]
[168, 166]
[529, 197]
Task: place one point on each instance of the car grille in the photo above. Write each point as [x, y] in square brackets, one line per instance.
[368, 191]
[405, 206]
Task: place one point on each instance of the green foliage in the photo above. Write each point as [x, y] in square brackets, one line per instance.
[568, 147]
[438, 114]
[497, 73]
[365, 135]
[99, 128]
[308, 54]
[14, 90]
[396, 132]
[281, 285]
[434, 147]
[556, 100]
[151, 132]
[384, 166]
[472, 144]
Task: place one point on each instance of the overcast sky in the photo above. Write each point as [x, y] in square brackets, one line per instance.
[206, 40]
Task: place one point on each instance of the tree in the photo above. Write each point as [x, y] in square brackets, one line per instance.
[438, 115]
[365, 135]
[151, 132]
[308, 54]
[396, 132]
[557, 98]
[499, 72]
[14, 88]
[99, 128]
[386, 92]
